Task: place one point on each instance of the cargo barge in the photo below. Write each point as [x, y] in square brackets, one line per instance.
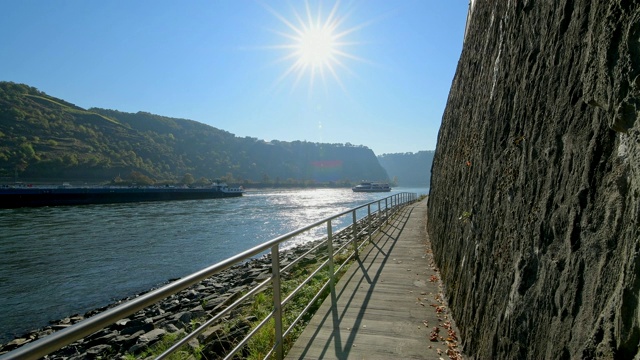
[38, 196]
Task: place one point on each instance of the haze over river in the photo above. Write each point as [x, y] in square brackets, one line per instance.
[59, 261]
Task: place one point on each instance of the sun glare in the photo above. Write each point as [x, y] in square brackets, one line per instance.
[316, 45]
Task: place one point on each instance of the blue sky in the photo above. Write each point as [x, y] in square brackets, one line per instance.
[230, 63]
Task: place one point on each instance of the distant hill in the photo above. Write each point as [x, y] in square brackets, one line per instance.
[408, 169]
[46, 139]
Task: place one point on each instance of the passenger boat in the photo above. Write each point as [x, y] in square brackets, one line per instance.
[366, 186]
[37, 196]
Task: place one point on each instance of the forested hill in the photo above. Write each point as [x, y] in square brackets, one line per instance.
[43, 138]
[408, 169]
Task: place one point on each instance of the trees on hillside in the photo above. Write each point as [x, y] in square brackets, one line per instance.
[45, 137]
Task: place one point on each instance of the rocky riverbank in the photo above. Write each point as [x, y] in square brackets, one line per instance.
[175, 314]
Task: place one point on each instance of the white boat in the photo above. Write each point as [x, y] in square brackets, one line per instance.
[367, 186]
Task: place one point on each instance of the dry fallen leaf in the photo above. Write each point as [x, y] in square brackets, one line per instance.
[434, 334]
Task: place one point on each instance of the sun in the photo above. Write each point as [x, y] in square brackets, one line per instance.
[317, 45]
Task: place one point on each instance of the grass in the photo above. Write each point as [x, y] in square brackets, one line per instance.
[259, 308]
[260, 345]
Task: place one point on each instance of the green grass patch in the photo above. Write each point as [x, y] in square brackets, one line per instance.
[260, 345]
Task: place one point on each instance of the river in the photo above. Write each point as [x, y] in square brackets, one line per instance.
[59, 261]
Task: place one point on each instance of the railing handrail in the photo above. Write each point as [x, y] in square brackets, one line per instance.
[61, 338]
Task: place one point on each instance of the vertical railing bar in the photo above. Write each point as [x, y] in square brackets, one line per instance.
[370, 221]
[355, 234]
[277, 303]
[386, 210]
[330, 254]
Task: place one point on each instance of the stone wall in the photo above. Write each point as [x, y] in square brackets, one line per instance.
[535, 191]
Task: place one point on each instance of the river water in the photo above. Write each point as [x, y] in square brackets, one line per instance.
[59, 261]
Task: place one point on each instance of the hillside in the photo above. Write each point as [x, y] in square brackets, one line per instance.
[45, 139]
[408, 169]
[534, 207]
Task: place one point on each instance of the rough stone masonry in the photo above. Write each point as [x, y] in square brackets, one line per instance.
[535, 190]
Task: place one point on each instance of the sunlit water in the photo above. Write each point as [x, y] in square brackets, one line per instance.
[59, 261]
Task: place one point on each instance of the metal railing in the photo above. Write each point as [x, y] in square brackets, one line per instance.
[386, 207]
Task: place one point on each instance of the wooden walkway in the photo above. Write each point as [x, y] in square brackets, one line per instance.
[387, 304]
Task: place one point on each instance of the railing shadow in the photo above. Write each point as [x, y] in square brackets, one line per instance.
[356, 278]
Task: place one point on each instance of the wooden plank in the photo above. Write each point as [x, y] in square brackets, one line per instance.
[385, 305]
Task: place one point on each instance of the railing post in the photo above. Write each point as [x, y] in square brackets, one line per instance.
[370, 222]
[393, 210]
[355, 234]
[277, 302]
[330, 253]
[386, 210]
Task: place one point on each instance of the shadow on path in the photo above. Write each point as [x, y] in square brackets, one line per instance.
[361, 278]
